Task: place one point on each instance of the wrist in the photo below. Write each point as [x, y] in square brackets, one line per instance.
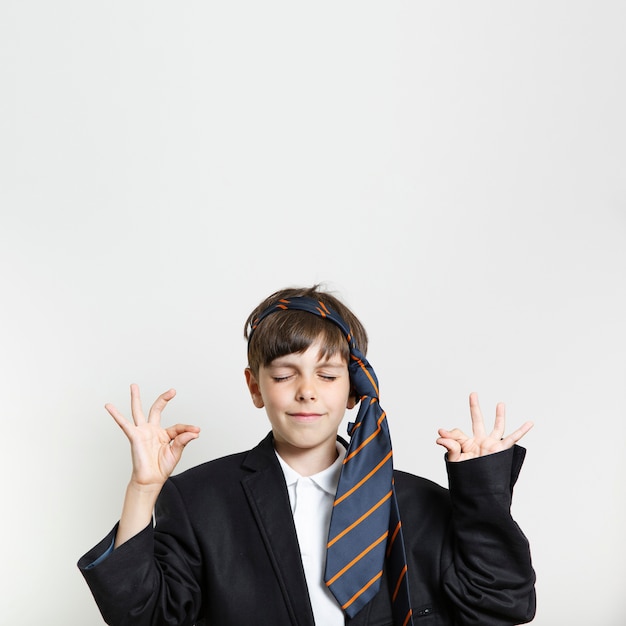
[137, 510]
[141, 492]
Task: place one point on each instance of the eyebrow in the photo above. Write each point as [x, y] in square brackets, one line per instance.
[286, 362]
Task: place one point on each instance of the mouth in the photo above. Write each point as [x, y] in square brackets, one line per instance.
[305, 417]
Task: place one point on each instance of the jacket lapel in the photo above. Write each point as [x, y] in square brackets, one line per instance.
[269, 501]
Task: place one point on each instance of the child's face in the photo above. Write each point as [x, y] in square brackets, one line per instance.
[305, 399]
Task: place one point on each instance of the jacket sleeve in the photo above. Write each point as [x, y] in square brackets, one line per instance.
[154, 577]
[488, 577]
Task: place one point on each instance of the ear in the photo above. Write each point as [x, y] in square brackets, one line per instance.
[253, 387]
[352, 402]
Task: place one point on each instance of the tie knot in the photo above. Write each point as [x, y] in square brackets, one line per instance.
[362, 376]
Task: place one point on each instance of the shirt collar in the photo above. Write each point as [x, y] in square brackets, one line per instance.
[327, 479]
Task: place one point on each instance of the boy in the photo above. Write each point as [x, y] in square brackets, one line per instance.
[300, 531]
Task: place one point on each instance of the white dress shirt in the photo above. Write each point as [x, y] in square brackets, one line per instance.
[311, 499]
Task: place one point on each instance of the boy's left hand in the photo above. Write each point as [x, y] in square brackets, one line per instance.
[460, 447]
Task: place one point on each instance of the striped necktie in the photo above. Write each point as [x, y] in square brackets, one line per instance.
[365, 528]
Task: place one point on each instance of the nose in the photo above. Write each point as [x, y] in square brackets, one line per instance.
[306, 389]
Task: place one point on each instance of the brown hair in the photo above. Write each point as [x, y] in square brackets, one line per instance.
[286, 332]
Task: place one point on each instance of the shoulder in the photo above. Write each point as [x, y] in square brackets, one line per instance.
[415, 492]
[411, 483]
[216, 469]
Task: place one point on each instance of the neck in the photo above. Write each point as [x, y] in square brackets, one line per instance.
[307, 462]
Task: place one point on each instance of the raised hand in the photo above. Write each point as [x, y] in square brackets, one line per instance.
[155, 450]
[460, 447]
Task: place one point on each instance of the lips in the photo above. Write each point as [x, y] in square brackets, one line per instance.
[305, 417]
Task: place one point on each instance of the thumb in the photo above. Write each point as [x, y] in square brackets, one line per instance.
[180, 441]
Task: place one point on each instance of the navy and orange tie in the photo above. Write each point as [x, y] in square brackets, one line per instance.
[365, 529]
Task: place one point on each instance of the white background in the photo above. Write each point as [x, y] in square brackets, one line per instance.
[454, 171]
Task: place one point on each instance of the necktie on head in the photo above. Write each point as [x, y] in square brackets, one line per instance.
[365, 527]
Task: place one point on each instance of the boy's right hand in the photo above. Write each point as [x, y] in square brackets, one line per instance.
[155, 450]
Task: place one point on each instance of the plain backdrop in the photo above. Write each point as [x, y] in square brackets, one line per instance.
[454, 171]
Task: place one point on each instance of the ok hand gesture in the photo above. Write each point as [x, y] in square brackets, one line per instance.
[155, 450]
[460, 447]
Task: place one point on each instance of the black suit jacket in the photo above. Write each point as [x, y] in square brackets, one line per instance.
[224, 551]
